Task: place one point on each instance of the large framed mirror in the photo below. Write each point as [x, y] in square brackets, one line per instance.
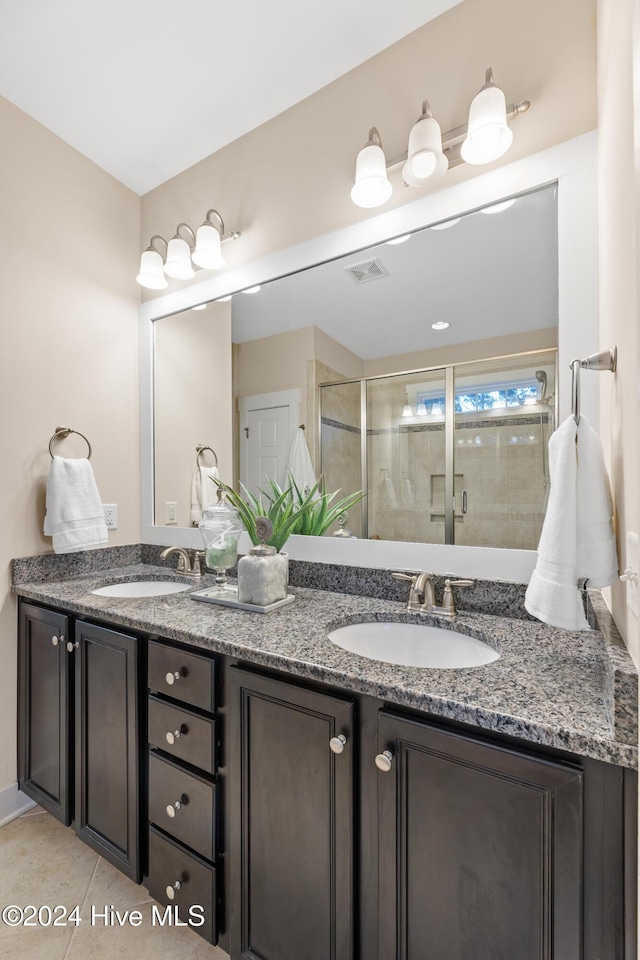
[425, 371]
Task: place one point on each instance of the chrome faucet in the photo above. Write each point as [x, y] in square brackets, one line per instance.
[184, 561]
[422, 597]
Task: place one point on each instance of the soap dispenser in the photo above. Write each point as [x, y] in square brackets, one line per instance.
[262, 573]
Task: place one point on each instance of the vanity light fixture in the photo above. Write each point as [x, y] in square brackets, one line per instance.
[224, 299]
[445, 224]
[407, 411]
[397, 240]
[440, 325]
[498, 207]
[255, 289]
[201, 306]
[436, 410]
[181, 253]
[485, 138]
[421, 409]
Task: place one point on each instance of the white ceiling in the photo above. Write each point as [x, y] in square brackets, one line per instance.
[488, 275]
[147, 88]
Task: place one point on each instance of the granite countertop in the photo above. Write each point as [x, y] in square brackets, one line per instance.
[572, 691]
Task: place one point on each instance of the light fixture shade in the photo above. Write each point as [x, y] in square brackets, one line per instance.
[407, 411]
[425, 160]
[421, 409]
[178, 262]
[151, 273]
[488, 135]
[208, 251]
[372, 187]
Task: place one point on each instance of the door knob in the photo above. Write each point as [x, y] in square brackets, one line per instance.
[337, 744]
[172, 890]
[54, 640]
[172, 677]
[172, 737]
[172, 808]
[384, 761]
[73, 646]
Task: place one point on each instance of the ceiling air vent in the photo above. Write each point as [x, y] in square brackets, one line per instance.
[366, 271]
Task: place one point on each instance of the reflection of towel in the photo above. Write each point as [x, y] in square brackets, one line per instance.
[388, 499]
[577, 538]
[204, 491]
[74, 517]
[300, 466]
[406, 491]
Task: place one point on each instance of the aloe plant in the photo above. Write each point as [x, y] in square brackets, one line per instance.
[290, 510]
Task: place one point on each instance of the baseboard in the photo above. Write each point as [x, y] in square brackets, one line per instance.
[13, 803]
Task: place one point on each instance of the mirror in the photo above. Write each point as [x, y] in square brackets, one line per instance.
[234, 380]
[573, 167]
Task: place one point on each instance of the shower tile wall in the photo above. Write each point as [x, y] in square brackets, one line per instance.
[341, 447]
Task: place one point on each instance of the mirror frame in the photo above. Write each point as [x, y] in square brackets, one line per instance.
[573, 165]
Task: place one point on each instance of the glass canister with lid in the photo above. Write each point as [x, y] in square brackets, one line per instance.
[221, 528]
[262, 573]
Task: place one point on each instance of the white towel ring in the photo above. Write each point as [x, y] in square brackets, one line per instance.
[200, 448]
[61, 433]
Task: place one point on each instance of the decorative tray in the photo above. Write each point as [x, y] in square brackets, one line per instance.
[229, 598]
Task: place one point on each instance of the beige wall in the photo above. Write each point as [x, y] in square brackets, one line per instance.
[68, 248]
[193, 403]
[289, 180]
[618, 171]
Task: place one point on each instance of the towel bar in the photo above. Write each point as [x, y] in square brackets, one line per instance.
[61, 433]
[606, 360]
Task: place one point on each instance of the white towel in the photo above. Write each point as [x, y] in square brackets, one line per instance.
[406, 491]
[300, 465]
[388, 498]
[74, 516]
[204, 491]
[577, 539]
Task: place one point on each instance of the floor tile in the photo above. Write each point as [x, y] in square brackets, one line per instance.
[35, 944]
[110, 887]
[146, 942]
[43, 863]
[34, 811]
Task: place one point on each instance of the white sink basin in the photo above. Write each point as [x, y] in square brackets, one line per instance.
[413, 645]
[142, 588]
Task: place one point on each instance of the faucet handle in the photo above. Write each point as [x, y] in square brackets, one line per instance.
[405, 576]
[459, 583]
[448, 608]
[198, 557]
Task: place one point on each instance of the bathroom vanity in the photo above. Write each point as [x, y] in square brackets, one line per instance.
[317, 804]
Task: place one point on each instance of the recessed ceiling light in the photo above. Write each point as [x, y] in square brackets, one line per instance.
[224, 299]
[440, 325]
[498, 207]
[446, 224]
[252, 289]
[201, 306]
[403, 239]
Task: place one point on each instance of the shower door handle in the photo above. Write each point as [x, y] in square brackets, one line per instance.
[464, 501]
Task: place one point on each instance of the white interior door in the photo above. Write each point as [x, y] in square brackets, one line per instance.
[267, 425]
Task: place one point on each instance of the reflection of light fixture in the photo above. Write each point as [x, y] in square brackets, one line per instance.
[425, 159]
[224, 299]
[440, 325]
[372, 187]
[488, 136]
[436, 410]
[201, 306]
[201, 249]
[485, 138]
[402, 239]
[253, 289]
[530, 400]
[497, 207]
[407, 411]
[445, 224]
[421, 409]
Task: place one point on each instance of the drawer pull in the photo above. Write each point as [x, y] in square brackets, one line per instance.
[172, 737]
[337, 744]
[384, 761]
[172, 890]
[172, 677]
[54, 640]
[172, 808]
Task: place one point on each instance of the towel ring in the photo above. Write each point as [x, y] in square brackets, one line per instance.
[61, 433]
[200, 448]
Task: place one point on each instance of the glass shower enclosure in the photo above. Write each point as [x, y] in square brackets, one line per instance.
[455, 454]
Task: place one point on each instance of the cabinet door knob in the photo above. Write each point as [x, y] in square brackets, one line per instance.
[172, 808]
[172, 890]
[54, 640]
[172, 677]
[337, 744]
[172, 737]
[384, 761]
[73, 646]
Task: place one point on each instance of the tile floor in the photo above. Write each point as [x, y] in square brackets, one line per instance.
[42, 862]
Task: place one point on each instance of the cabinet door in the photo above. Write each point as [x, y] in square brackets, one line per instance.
[291, 815]
[44, 767]
[107, 734]
[480, 850]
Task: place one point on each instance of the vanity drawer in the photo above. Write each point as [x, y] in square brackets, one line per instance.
[196, 743]
[193, 822]
[169, 864]
[195, 683]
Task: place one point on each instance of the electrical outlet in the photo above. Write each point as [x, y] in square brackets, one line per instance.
[171, 512]
[631, 574]
[111, 515]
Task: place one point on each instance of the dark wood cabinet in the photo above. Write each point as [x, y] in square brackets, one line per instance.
[480, 849]
[292, 836]
[79, 726]
[45, 767]
[107, 745]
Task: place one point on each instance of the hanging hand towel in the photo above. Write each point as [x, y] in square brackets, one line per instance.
[74, 517]
[577, 539]
[388, 498]
[300, 465]
[204, 491]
